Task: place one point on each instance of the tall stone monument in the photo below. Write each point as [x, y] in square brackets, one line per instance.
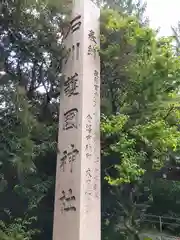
[77, 193]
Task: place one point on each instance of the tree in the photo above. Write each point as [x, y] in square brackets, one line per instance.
[175, 33]
[140, 132]
[129, 7]
[30, 68]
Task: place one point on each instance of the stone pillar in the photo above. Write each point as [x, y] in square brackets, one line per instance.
[77, 194]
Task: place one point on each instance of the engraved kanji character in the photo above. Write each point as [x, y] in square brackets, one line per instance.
[94, 101]
[67, 202]
[92, 51]
[62, 199]
[72, 156]
[88, 137]
[70, 119]
[70, 199]
[96, 73]
[96, 86]
[77, 50]
[70, 86]
[96, 80]
[92, 36]
[75, 24]
[67, 56]
[73, 52]
[89, 118]
[88, 155]
[89, 128]
[63, 160]
[88, 148]
[88, 173]
[88, 193]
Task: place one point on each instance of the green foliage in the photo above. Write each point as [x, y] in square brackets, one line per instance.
[30, 66]
[113, 125]
[129, 7]
[128, 169]
[18, 230]
[140, 99]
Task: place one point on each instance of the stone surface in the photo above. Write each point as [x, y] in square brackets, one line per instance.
[77, 193]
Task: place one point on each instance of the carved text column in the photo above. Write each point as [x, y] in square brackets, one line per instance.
[77, 194]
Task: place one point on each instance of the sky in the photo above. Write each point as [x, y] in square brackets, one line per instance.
[163, 14]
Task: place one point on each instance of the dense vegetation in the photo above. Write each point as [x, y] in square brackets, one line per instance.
[140, 79]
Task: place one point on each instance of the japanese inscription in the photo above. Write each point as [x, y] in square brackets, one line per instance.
[92, 183]
[75, 24]
[77, 181]
[89, 118]
[96, 183]
[67, 201]
[70, 119]
[88, 175]
[89, 128]
[92, 36]
[88, 180]
[68, 158]
[96, 86]
[88, 146]
[71, 85]
[72, 53]
[92, 48]
[77, 50]
[67, 55]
